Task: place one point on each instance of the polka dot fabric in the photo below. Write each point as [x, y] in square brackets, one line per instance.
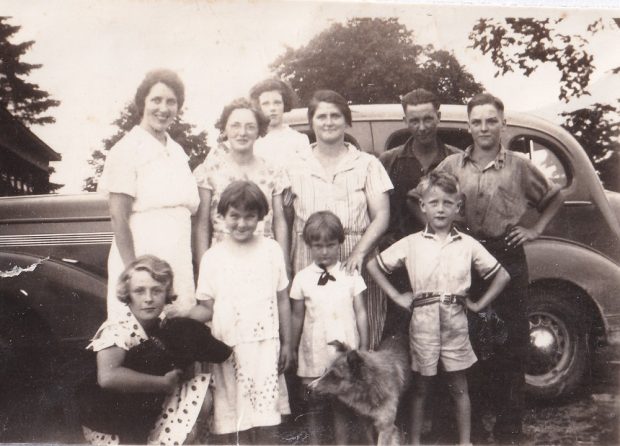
[124, 333]
[180, 409]
[180, 412]
[98, 438]
[248, 392]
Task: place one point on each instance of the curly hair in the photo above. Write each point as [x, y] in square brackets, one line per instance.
[167, 77]
[159, 270]
[330, 97]
[441, 179]
[289, 97]
[242, 103]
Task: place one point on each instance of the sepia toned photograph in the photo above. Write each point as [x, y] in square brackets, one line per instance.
[309, 222]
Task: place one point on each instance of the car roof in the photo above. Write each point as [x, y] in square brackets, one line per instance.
[449, 113]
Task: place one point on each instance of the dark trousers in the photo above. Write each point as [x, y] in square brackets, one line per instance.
[397, 318]
[497, 383]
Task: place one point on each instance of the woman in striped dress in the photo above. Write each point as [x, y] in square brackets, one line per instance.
[338, 177]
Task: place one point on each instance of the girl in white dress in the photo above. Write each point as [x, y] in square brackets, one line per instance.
[152, 193]
[240, 124]
[328, 305]
[281, 145]
[242, 289]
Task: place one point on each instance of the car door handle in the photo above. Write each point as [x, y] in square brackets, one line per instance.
[577, 203]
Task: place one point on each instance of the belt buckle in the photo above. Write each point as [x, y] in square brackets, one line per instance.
[445, 298]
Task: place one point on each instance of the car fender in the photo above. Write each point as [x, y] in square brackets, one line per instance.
[68, 300]
[597, 275]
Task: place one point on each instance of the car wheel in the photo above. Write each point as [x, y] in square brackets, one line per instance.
[558, 351]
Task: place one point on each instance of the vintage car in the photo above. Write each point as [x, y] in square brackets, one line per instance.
[574, 267]
[53, 252]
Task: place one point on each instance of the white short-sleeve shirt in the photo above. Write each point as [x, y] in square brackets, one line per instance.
[136, 165]
[329, 316]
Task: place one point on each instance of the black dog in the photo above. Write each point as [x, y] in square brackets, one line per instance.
[176, 343]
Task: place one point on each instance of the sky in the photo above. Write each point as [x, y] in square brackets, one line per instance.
[95, 53]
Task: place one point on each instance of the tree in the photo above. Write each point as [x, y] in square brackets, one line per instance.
[25, 100]
[597, 128]
[523, 44]
[195, 145]
[373, 61]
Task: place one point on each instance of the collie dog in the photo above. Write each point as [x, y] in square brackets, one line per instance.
[371, 383]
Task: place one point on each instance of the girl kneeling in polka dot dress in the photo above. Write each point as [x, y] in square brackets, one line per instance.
[140, 395]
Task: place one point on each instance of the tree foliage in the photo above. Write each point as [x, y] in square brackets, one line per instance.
[525, 43]
[25, 100]
[373, 61]
[194, 144]
[597, 129]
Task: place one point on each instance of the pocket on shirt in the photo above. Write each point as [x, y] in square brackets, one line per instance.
[505, 205]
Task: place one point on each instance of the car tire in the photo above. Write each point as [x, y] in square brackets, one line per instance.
[559, 350]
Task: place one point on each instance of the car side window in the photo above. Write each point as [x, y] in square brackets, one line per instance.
[541, 153]
[454, 136]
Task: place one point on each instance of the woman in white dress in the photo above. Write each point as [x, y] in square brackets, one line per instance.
[152, 193]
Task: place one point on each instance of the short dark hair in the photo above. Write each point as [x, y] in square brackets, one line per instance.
[323, 225]
[242, 103]
[441, 179]
[419, 96]
[289, 98]
[159, 269]
[167, 77]
[331, 97]
[484, 99]
[243, 195]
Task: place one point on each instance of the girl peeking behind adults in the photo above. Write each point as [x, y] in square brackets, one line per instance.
[281, 145]
[335, 176]
[234, 160]
[152, 193]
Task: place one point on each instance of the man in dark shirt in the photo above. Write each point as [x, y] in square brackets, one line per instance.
[499, 186]
[406, 165]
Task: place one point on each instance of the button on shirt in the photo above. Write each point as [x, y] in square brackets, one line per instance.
[439, 266]
[436, 266]
[498, 195]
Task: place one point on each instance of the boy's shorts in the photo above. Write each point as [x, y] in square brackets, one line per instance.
[440, 332]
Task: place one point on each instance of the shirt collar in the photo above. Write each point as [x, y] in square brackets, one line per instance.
[441, 148]
[350, 157]
[454, 234]
[318, 270]
[497, 163]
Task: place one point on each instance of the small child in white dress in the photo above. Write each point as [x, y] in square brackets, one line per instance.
[329, 306]
[242, 289]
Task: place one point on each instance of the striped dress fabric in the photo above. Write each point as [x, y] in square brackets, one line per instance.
[358, 176]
